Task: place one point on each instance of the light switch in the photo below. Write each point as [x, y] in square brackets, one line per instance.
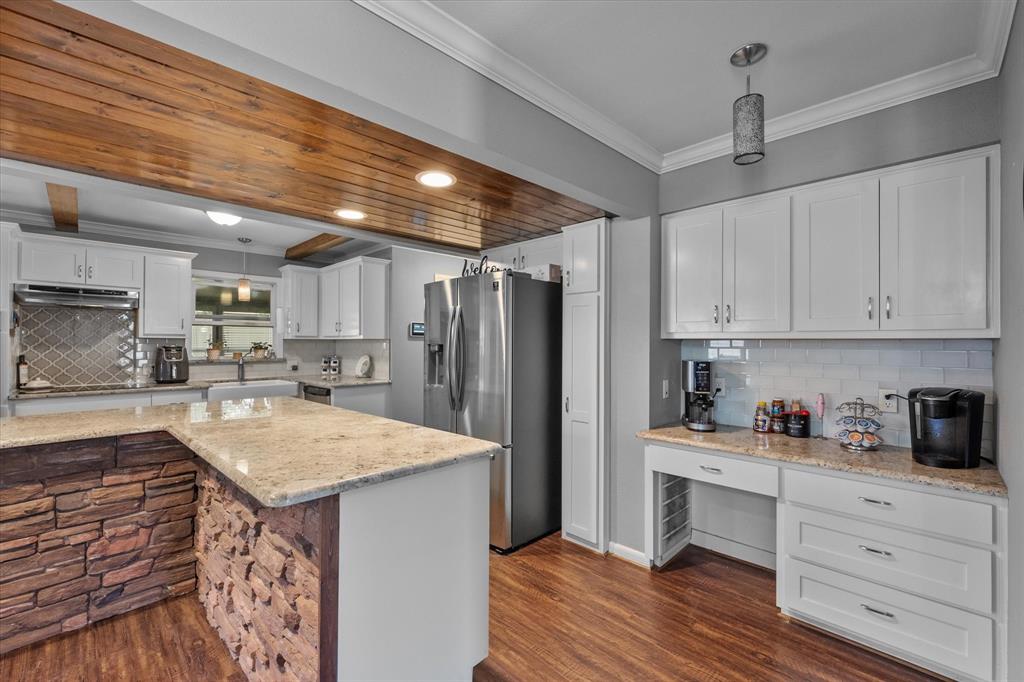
[664, 389]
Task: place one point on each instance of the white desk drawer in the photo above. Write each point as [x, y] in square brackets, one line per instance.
[954, 573]
[700, 466]
[935, 632]
[950, 516]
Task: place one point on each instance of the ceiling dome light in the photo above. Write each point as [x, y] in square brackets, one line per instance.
[349, 214]
[225, 219]
[435, 178]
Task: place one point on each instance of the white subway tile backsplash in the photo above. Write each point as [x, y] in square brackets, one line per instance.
[816, 386]
[923, 375]
[805, 370]
[790, 384]
[791, 355]
[761, 354]
[775, 368]
[868, 390]
[979, 359]
[859, 357]
[825, 356]
[967, 344]
[841, 372]
[973, 377]
[944, 358]
[880, 373]
[719, 343]
[900, 358]
[805, 343]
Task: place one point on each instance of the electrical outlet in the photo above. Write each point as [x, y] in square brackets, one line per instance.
[887, 405]
[664, 389]
[720, 385]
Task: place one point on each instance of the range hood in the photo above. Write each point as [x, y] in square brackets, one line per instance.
[75, 297]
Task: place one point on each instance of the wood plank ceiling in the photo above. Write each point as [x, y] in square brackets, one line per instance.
[85, 95]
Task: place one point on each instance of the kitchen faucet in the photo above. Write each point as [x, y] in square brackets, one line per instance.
[241, 368]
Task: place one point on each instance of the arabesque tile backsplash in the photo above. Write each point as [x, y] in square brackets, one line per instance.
[763, 369]
[78, 346]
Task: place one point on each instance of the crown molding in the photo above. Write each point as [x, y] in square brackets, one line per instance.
[433, 26]
[443, 32]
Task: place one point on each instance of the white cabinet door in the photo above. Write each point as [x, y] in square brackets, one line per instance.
[543, 251]
[503, 255]
[691, 272]
[113, 267]
[835, 257]
[934, 242]
[581, 256]
[351, 299]
[580, 419]
[330, 303]
[166, 297]
[305, 304]
[374, 298]
[60, 262]
[756, 242]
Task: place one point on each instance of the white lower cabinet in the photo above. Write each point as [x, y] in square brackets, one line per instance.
[366, 399]
[31, 406]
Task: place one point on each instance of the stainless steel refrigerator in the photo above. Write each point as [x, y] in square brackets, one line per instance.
[493, 371]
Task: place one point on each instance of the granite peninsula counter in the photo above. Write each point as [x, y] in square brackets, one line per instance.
[260, 505]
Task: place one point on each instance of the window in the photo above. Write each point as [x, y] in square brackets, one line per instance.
[221, 317]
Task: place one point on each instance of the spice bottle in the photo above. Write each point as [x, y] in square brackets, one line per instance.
[761, 419]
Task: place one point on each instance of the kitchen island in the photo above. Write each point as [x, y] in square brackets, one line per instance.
[323, 543]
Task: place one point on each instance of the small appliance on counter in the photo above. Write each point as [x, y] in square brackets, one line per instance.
[171, 365]
[364, 367]
[858, 426]
[945, 426]
[698, 400]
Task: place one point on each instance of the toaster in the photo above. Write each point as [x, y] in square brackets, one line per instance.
[171, 365]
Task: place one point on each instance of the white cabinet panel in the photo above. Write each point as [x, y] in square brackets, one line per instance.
[58, 262]
[692, 272]
[330, 303]
[580, 448]
[756, 247]
[934, 247]
[113, 267]
[754, 477]
[543, 251]
[25, 408]
[503, 255]
[351, 275]
[581, 256]
[835, 257]
[301, 295]
[366, 399]
[166, 297]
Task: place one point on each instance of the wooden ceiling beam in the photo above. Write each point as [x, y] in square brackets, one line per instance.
[64, 206]
[321, 242]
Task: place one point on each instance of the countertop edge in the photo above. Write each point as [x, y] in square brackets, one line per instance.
[651, 435]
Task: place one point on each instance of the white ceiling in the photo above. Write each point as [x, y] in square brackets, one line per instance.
[24, 199]
[653, 79]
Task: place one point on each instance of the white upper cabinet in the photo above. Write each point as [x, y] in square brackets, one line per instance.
[692, 272]
[909, 252]
[835, 257]
[166, 308]
[301, 297]
[581, 256]
[934, 247]
[330, 303]
[504, 255]
[354, 299]
[58, 261]
[542, 251]
[351, 315]
[755, 247]
[113, 267]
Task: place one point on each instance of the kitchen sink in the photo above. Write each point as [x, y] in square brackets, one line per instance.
[257, 388]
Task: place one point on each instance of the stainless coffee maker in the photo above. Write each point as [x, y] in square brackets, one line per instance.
[698, 398]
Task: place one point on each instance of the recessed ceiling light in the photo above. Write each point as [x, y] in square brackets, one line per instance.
[225, 219]
[435, 178]
[349, 214]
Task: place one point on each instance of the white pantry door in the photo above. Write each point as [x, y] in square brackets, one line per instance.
[580, 454]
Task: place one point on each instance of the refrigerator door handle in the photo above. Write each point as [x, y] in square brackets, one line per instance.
[460, 350]
[449, 356]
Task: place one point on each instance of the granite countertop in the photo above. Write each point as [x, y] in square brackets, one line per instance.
[886, 462]
[343, 381]
[146, 388]
[279, 450]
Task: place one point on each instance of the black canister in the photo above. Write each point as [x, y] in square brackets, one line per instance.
[798, 424]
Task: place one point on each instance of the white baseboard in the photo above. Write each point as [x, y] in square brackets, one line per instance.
[737, 550]
[629, 554]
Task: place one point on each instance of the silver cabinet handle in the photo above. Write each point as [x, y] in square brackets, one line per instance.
[79, 270]
[711, 470]
[871, 307]
[298, 327]
[568, 278]
[183, 323]
[888, 307]
[872, 550]
[716, 314]
[567, 404]
[880, 503]
[728, 314]
[89, 270]
[877, 612]
[522, 262]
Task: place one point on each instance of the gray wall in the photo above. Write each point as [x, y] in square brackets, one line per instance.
[399, 81]
[410, 270]
[1009, 370]
[952, 120]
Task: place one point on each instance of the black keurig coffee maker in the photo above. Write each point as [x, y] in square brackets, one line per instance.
[945, 426]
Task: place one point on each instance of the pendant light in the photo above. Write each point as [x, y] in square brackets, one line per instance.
[748, 110]
[244, 285]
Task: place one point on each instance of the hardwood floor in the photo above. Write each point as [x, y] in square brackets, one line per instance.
[558, 612]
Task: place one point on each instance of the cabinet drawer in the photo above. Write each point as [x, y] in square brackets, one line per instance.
[950, 516]
[954, 573]
[725, 471]
[923, 628]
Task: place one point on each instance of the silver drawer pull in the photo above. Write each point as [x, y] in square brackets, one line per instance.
[880, 503]
[878, 612]
[872, 550]
[711, 470]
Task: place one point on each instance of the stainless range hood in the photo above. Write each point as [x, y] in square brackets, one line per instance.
[75, 297]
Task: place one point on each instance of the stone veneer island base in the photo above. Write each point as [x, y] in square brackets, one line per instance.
[323, 544]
